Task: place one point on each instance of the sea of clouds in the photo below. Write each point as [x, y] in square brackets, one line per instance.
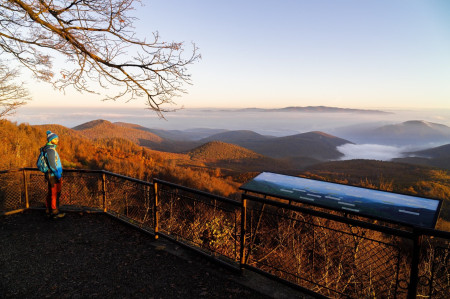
[372, 151]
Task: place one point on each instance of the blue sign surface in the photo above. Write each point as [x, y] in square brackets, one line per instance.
[398, 208]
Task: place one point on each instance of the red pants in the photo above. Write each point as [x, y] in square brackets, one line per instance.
[54, 193]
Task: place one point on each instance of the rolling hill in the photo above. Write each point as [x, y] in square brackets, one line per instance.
[175, 135]
[232, 158]
[436, 152]
[103, 129]
[317, 145]
[313, 146]
[413, 132]
[436, 157]
[217, 150]
[237, 137]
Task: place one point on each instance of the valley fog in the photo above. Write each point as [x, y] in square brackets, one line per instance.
[350, 126]
[265, 123]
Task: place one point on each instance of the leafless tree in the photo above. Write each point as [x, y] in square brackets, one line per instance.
[98, 40]
[12, 94]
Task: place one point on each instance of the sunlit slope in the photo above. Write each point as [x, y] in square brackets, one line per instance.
[99, 129]
[217, 150]
[231, 157]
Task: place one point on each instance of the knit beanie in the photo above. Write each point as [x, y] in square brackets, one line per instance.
[51, 136]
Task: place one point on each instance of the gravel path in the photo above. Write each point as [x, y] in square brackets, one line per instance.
[92, 255]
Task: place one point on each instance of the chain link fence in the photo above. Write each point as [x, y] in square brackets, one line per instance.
[12, 191]
[434, 268]
[326, 254]
[331, 258]
[130, 200]
[206, 221]
[80, 190]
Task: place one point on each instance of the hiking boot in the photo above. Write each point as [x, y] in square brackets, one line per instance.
[59, 215]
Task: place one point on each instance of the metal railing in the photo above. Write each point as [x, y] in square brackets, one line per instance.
[321, 253]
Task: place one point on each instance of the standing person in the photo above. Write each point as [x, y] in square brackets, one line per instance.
[53, 176]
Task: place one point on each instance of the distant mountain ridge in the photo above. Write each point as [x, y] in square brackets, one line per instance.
[435, 157]
[312, 145]
[316, 144]
[237, 136]
[176, 135]
[412, 132]
[311, 109]
[436, 152]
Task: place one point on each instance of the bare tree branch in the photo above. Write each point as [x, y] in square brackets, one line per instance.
[98, 40]
[12, 94]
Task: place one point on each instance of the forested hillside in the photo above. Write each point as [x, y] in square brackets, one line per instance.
[215, 167]
[20, 148]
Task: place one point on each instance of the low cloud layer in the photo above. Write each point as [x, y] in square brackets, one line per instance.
[370, 151]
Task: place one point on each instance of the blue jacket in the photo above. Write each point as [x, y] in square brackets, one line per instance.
[54, 162]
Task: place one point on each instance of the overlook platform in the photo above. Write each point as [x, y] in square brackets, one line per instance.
[92, 255]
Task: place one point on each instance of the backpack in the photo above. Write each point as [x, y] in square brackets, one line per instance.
[42, 163]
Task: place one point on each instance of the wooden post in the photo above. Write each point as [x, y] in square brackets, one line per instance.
[243, 231]
[156, 210]
[25, 183]
[105, 205]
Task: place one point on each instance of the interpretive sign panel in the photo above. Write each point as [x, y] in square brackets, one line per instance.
[393, 207]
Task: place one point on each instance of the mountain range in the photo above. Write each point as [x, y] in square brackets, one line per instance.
[220, 167]
[315, 145]
[309, 109]
[308, 148]
[413, 132]
[436, 157]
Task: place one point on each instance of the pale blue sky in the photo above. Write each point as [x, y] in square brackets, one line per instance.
[349, 53]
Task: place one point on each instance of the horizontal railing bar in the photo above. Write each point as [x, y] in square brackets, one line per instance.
[65, 170]
[221, 198]
[127, 178]
[383, 229]
[98, 171]
[402, 233]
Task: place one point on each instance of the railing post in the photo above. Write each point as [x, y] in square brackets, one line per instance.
[414, 274]
[25, 185]
[105, 205]
[156, 209]
[243, 230]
